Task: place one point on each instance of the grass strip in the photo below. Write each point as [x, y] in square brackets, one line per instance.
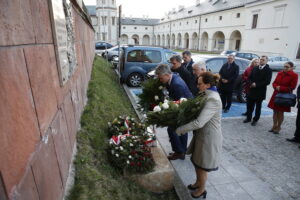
[95, 179]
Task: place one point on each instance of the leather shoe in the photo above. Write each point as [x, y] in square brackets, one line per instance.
[253, 123]
[226, 110]
[247, 120]
[244, 114]
[190, 186]
[176, 156]
[292, 140]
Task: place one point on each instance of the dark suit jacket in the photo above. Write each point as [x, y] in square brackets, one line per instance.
[262, 79]
[229, 74]
[188, 78]
[178, 89]
[298, 96]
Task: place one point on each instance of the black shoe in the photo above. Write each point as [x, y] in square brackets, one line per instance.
[292, 140]
[244, 114]
[271, 130]
[299, 147]
[276, 132]
[190, 186]
[226, 110]
[176, 156]
[203, 194]
[253, 123]
[247, 120]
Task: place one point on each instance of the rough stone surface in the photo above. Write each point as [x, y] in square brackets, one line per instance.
[46, 171]
[27, 188]
[162, 177]
[62, 144]
[16, 23]
[42, 84]
[41, 21]
[19, 130]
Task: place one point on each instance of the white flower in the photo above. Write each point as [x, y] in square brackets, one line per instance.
[160, 87]
[112, 152]
[128, 162]
[117, 155]
[165, 106]
[121, 148]
[156, 98]
[145, 116]
[166, 101]
[116, 147]
[109, 124]
[131, 144]
[129, 156]
[156, 109]
[182, 100]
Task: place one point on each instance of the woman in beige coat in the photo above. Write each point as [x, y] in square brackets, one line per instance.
[206, 144]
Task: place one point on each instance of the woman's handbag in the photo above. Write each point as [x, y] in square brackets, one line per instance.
[285, 99]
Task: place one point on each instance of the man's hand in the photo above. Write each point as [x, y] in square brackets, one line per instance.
[224, 80]
[253, 85]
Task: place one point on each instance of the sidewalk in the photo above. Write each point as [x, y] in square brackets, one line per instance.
[255, 164]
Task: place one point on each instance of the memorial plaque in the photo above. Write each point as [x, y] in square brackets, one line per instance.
[63, 39]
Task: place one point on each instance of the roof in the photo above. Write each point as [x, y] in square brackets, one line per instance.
[91, 10]
[208, 6]
[139, 21]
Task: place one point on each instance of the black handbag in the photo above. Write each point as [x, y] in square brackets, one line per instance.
[285, 99]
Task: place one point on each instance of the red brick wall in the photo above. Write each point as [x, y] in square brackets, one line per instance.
[38, 117]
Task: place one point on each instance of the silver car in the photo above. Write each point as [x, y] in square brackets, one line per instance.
[111, 53]
[276, 62]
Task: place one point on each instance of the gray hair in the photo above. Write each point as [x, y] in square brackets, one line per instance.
[162, 69]
[231, 56]
[200, 65]
[176, 57]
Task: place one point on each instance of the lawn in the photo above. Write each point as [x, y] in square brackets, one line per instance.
[95, 179]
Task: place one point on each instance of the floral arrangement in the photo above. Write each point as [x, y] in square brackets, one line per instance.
[153, 93]
[129, 146]
[178, 113]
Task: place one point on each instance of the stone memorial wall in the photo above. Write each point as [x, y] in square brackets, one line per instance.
[45, 66]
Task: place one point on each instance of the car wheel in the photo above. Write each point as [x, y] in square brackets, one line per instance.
[135, 79]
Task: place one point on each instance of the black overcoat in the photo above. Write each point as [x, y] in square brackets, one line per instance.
[229, 73]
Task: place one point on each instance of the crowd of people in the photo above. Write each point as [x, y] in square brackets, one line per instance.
[186, 79]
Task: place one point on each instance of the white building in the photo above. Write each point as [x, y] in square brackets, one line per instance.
[261, 26]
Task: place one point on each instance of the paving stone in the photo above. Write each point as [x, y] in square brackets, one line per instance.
[221, 176]
[18, 122]
[240, 173]
[16, 23]
[232, 191]
[62, 144]
[46, 171]
[27, 188]
[42, 84]
[41, 21]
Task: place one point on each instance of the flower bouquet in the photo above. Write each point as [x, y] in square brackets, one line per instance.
[175, 114]
[153, 93]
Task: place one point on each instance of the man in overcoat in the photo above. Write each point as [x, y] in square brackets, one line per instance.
[259, 79]
[177, 89]
[229, 73]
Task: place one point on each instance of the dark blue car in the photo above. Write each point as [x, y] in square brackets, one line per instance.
[137, 61]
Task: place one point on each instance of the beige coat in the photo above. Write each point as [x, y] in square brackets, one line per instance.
[206, 144]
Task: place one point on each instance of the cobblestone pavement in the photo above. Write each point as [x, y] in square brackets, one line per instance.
[269, 156]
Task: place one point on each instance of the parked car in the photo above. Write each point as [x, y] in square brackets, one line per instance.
[214, 64]
[276, 62]
[248, 56]
[136, 61]
[111, 53]
[227, 52]
[100, 47]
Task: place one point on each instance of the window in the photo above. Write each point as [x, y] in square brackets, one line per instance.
[196, 21]
[146, 28]
[124, 27]
[278, 16]
[103, 36]
[254, 21]
[104, 20]
[205, 19]
[135, 27]
[169, 55]
[103, 1]
[298, 52]
[113, 20]
[276, 58]
[284, 59]
[179, 23]
[134, 56]
[151, 56]
[112, 2]
[238, 15]
[187, 22]
[215, 65]
[220, 18]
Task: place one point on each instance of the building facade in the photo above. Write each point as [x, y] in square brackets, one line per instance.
[260, 26]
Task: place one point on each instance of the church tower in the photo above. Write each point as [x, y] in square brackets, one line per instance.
[107, 18]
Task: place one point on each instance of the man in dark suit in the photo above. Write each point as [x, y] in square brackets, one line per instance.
[259, 79]
[296, 137]
[188, 78]
[177, 89]
[187, 61]
[229, 73]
